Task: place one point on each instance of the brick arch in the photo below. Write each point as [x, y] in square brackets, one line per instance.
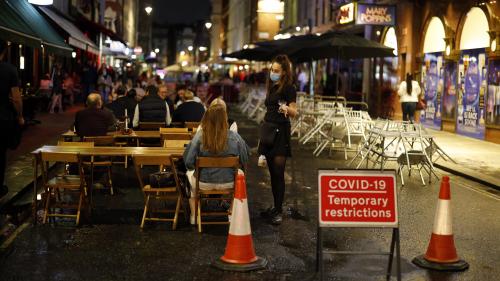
[462, 21]
[425, 27]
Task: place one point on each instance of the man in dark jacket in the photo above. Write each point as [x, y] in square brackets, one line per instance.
[152, 108]
[94, 120]
[189, 110]
[122, 103]
[11, 112]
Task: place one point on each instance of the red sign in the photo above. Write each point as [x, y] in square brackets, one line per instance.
[357, 198]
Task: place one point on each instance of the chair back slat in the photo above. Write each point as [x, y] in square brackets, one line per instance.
[218, 162]
[101, 140]
[175, 136]
[75, 143]
[151, 125]
[175, 143]
[173, 130]
[59, 157]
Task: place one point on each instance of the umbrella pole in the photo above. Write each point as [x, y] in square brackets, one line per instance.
[311, 78]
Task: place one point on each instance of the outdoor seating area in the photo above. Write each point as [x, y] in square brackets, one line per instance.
[158, 166]
[332, 124]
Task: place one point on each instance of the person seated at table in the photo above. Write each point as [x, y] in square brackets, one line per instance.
[152, 108]
[232, 124]
[215, 139]
[189, 111]
[94, 120]
[182, 97]
[122, 102]
[163, 93]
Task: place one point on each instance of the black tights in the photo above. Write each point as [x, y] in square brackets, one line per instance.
[276, 167]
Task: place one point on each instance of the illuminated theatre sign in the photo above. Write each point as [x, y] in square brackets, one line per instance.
[367, 14]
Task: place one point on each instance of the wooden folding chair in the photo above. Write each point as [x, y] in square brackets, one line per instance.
[163, 193]
[175, 143]
[105, 162]
[53, 185]
[175, 136]
[75, 144]
[202, 194]
[151, 126]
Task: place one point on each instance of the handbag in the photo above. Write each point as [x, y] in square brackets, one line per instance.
[162, 179]
[421, 104]
[268, 133]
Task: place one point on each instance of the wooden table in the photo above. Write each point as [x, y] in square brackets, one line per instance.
[119, 134]
[96, 151]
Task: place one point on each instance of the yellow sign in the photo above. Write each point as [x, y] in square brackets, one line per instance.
[346, 13]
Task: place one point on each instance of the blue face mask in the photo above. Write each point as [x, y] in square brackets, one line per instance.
[274, 76]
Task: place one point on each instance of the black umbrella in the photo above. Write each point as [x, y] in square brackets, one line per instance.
[255, 54]
[340, 45]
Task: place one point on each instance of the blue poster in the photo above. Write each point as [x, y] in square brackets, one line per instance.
[450, 90]
[493, 99]
[432, 81]
[470, 109]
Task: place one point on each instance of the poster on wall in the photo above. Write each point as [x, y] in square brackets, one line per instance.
[450, 90]
[471, 99]
[493, 96]
[432, 82]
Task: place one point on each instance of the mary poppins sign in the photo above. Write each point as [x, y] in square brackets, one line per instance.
[376, 14]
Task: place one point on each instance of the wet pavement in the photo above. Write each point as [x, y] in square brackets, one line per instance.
[19, 172]
[111, 246]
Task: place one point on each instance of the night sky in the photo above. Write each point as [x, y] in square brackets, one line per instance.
[180, 11]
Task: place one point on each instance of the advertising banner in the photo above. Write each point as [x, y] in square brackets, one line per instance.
[450, 90]
[471, 99]
[432, 84]
[357, 198]
[493, 99]
[376, 14]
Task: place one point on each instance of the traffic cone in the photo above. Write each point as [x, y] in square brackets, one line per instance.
[240, 253]
[441, 253]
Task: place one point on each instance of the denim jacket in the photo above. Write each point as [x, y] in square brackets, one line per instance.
[236, 146]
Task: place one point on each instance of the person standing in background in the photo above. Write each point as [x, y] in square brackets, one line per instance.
[408, 92]
[57, 88]
[280, 107]
[11, 112]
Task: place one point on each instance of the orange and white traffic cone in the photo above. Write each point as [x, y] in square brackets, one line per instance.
[240, 253]
[441, 253]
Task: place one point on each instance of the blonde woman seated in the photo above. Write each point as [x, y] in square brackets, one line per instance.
[232, 124]
[214, 139]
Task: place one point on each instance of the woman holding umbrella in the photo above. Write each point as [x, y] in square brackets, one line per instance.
[275, 131]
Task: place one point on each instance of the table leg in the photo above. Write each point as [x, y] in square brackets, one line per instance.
[35, 191]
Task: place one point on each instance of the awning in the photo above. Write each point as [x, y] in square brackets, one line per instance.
[50, 39]
[97, 28]
[14, 29]
[75, 36]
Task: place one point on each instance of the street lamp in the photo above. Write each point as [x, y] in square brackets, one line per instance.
[148, 10]
[208, 25]
[190, 48]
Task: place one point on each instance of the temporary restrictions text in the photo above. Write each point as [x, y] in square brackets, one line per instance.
[357, 198]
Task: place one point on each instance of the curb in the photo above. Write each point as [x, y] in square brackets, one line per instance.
[470, 174]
